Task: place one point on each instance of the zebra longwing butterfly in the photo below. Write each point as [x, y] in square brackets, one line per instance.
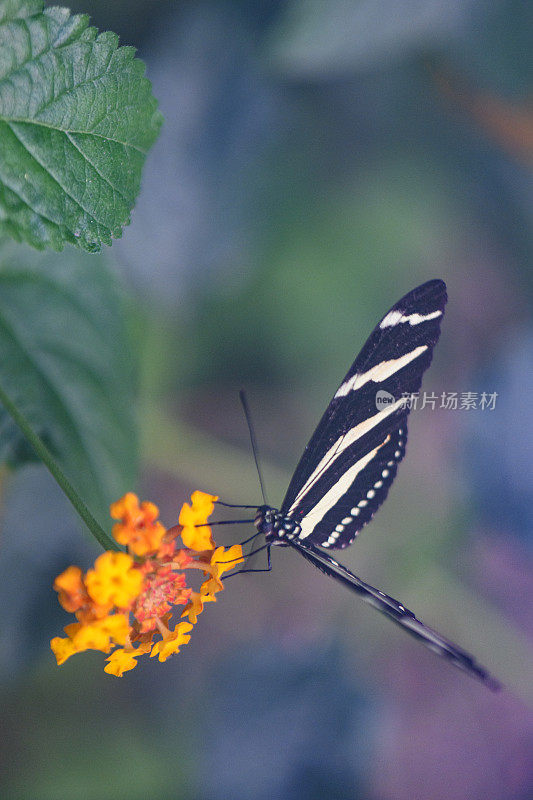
[348, 466]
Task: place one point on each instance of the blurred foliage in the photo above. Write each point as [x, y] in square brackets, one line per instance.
[70, 763]
[498, 451]
[313, 299]
[315, 695]
[67, 362]
[489, 42]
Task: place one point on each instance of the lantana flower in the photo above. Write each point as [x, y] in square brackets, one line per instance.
[128, 599]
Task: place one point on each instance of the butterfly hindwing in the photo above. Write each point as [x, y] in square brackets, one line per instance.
[357, 436]
[342, 522]
[399, 614]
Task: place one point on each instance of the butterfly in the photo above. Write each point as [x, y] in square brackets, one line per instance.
[348, 466]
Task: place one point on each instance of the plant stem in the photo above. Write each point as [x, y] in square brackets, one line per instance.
[48, 460]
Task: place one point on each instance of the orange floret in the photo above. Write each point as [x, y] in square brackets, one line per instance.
[139, 528]
[172, 641]
[114, 580]
[196, 514]
[71, 590]
[120, 661]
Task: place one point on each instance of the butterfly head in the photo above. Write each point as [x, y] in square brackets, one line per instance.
[266, 521]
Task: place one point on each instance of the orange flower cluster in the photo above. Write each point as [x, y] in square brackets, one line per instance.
[128, 598]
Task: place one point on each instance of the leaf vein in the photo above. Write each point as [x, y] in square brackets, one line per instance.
[102, 176]
[57, 181]
[23, 200]
[39, 123]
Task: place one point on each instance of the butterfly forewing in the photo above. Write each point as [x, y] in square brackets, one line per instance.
[349, 464]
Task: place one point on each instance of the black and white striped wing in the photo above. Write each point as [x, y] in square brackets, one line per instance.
[398, 613]
[351, 460]
[355, 499]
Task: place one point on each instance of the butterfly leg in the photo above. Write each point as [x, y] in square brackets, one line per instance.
[397, 612]
[268, 568]
[224, 522]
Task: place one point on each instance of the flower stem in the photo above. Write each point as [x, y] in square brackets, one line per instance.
[48, 460]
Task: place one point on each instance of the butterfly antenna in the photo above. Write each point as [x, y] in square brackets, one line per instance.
[253, 441]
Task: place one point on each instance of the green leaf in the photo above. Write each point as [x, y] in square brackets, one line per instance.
[49, 461]
[65, 362]
[77, 118]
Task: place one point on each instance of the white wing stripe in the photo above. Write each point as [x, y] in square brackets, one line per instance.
[395, 317]
[318, 512]
[380, 372]
[342, 443]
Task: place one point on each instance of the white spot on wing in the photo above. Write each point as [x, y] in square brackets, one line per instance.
[396, 317]
[390, 319]
[379, 372]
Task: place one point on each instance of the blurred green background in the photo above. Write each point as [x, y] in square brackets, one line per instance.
[318, 160]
